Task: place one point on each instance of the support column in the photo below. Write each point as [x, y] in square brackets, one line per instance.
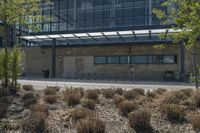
[53, 58]
[182, 61]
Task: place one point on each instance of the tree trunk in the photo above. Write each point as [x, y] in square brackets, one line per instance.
[6, 61]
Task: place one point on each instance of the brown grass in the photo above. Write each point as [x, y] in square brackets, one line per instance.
[3, 110]
[91, 125]
[160, 91]
[51, 99]
[151, 94]
[126, 107]
[174, 97]
[108, 93]
[74, 99]
[80, 113]
[196, 99]
[88, 103]
[173, 112]
[195, 121]
[50, 91]
[27, 87]
[70, 91]
[138, 91]
[40, 108]
[29, 99]
[34, 123]
[118, 99]
[119, 91]
[93, 94]
[140, 121]
[128, 95]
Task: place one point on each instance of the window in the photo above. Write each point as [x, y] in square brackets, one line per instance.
[136, 59]
[158, 59]
[140, 59]
[100, 60]
[124, 60]
[170, 59]
[113, 59]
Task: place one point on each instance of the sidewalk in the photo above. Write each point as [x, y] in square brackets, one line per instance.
[41, 83]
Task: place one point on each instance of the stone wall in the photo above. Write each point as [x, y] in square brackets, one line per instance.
[80, 59]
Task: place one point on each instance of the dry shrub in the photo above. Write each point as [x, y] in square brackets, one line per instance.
[126, 107]
[51, 99]
[50, 91]
[160, 91]
[34, 123]
[174, 97]
[108, 93]
[93, 94]
[196, 99]
[70, 91]
[118, 99]
[74, 99]
[173, 112]
[27, 87]
[80, 113]
[151, 94]
[140, 121]
[138, 91]
[29, 99]
[79, 90]
[128, 95]
[119, 91]
[88, 103]
[91, 125]
[187, 92]
[195, 121]
[57, 88]
[39, 108]
[3, 110]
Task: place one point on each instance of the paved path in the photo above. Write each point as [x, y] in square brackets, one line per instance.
[41, 84]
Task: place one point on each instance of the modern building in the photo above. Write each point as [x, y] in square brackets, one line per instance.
[104, 40]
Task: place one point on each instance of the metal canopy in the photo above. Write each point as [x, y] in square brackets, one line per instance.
[128, 36]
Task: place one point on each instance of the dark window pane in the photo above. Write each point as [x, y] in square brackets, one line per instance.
[124, 59]
[100, 60]
[158, 59]
[169, 59]
[113, 59]
[140, 59]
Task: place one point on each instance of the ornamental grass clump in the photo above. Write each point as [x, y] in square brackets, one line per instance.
[118, 99]
[91, 125]
[93, 94]
[126, 107]
[195, 121]
[28, 87]
[140, 121]
[108, 93]
[88, 103]
[173, 112]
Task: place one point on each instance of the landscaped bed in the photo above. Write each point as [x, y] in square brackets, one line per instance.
[113, 110]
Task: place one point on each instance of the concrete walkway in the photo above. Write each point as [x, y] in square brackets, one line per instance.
[91, 84]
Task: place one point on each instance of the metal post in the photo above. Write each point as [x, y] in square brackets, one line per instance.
[195, 70]
[182, 61]
[53, 58]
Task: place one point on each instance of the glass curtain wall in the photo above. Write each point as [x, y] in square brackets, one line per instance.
[69, 15]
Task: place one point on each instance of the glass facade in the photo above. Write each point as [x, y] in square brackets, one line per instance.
[73, 15]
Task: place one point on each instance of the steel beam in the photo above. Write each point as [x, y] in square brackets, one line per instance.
[53, 58]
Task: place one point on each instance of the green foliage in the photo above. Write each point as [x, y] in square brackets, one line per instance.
[186, 18]
[13, 60]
